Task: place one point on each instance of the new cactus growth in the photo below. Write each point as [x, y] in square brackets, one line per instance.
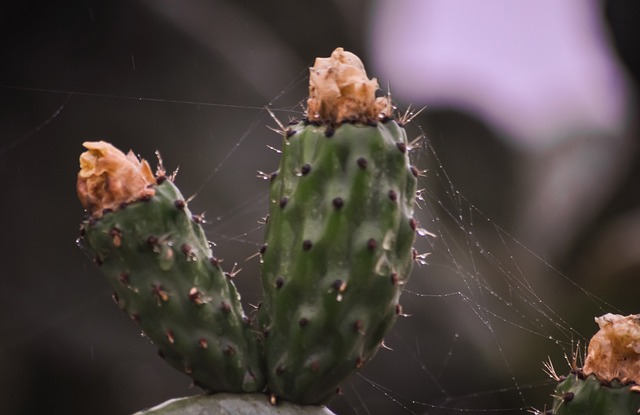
[158, 260]
[339, 235]
[608, 381]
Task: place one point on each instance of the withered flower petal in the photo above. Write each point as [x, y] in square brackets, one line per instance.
[340, 90]
[108, 178]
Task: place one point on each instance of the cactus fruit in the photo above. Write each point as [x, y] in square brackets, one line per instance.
[608, 381]
[339, 235]
[157, 259]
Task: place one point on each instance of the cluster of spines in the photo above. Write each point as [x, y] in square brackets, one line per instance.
[166, 279]
[582, 393]
[586, 394]
[330, 301]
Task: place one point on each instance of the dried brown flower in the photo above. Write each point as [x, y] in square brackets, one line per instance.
[108, 178]
[339, 90]
[614, 351]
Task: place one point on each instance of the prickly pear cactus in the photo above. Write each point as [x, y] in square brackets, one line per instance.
[339, 235]
[156, 257]
[338, 251]
[608, 382]
[583, 395]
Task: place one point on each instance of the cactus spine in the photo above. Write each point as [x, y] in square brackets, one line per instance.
[584, 395]
[156, 257]
[608, 382]
[339, 235]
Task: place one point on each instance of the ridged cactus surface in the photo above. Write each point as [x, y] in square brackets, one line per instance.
[337, 254]
[338, 250]
[580, 395]
[608, 383]
[156, 257]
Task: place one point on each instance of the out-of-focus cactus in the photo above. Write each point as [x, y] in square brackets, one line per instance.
[339, 234]
[231, 404]
[156, 257]
[608, 382]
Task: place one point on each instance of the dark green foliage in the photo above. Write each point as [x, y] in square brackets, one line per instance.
[338, 251]
[580, 395]
[157, 258]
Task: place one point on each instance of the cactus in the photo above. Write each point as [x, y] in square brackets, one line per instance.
[231, 404]
[156, 257]
[339, 235]
[338, 250]
[608, 381]
[583, 395]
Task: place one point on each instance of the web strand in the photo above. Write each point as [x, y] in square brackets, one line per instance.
[504, 302]
[21, 140]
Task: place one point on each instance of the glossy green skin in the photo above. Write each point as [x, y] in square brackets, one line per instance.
[587, 396]
[158, 260]
[333, 272]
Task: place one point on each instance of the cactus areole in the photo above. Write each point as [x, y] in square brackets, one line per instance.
[338, 249]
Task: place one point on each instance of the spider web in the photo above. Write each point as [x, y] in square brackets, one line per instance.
[484, 311]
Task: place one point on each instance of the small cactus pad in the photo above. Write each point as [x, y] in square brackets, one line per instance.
[339, 236]
[156, 257]
[338, 251]
[608, 382]
[580, 395]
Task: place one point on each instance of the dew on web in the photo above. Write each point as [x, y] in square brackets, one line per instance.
[476, 315]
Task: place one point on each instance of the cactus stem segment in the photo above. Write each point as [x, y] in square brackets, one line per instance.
[143, 235]
[344, 192]
[608, 381]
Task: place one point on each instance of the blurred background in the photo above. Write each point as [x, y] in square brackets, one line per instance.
[531, 170]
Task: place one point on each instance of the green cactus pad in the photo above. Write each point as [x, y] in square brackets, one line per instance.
[231, 404]
[338, 252]
[156, 257]
[580, 395]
